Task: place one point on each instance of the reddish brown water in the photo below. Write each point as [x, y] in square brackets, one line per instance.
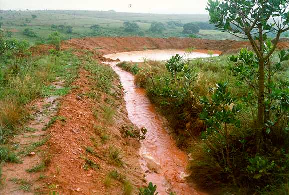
[162, 161]
[158, 150]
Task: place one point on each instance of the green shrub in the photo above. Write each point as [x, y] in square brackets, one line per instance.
[6, 155]
[149, 190]
[28, 32]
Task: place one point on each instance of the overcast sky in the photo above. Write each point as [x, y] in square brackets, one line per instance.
[144, 6]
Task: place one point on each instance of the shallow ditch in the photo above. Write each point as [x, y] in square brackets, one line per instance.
[162, 161]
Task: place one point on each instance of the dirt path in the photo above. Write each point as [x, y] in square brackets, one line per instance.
[26, 177]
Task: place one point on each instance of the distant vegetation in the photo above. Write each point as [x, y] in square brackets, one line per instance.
[75, 24]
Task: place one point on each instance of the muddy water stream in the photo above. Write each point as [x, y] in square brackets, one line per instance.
[161, 160]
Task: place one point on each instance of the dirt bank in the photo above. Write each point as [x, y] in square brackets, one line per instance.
[106, 45]
[81, 144]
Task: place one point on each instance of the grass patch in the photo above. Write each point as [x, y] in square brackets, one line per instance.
[23, 184]
[104, 138]
[90, 164]
[37, 168]
[114, 156]
[107, 182]
[114, 174]
[52, 121]
[90, 150]
[27, 150]
[108, 114]
[127, 188]
[6, 155]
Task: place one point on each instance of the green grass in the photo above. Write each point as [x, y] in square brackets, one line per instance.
[115, 156]
[23, 184]
[90, 164]
[108, 114]
[32, 147]
[6, 155]
[37, 168]
[111, 24]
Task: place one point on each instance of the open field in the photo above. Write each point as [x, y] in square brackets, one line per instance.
[111, 24]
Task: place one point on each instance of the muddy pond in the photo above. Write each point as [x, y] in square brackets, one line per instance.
[162, 161]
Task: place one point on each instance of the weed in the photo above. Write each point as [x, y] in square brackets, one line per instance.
[114, 156]
[95, 113]
[41, 177]
[149, 190]
[114, 174]
[127, 188]
[6, 155]
[90, 164]
[27, 150]
[107, 182]
[104, 138]
[108, 113]
[29, 129]
[37, 168]
[91, 151]
[23, 184]
[52, 121]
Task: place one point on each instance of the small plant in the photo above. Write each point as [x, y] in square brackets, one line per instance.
[175, 64]
[149, 190]
[107, 181]
[108, 113]
[90, 164]
[23, 184]
[127, 188]
[114, 174]
[6, 155]
[91, 151]
[55, 40]
[104, 138]
[129, 131]
[114, 156]
[37, 168]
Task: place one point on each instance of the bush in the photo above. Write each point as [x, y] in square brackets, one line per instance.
[157, 27]
[130, 27]
[28, 32]
[191, 28]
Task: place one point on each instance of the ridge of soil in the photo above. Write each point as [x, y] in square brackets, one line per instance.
[69, 139]
[107, 45]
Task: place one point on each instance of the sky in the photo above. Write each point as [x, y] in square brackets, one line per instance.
[139, 6]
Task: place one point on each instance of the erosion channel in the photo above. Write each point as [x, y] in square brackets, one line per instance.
[162, 161]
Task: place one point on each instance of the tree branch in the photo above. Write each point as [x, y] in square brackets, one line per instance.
[275, 45]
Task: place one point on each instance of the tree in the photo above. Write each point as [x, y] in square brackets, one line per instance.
[253, 20]
[55, 40]
[28, 32]
[95, 28]
[191, 28]
[130, 27]
[33, 16]
[68, 29]
[157, 27]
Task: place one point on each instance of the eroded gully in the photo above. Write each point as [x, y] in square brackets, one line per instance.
[162, 161]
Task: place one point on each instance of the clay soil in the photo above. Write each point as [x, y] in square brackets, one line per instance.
[69, 140]
[106, 45]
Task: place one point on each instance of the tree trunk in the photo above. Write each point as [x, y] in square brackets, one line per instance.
[261, 103]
